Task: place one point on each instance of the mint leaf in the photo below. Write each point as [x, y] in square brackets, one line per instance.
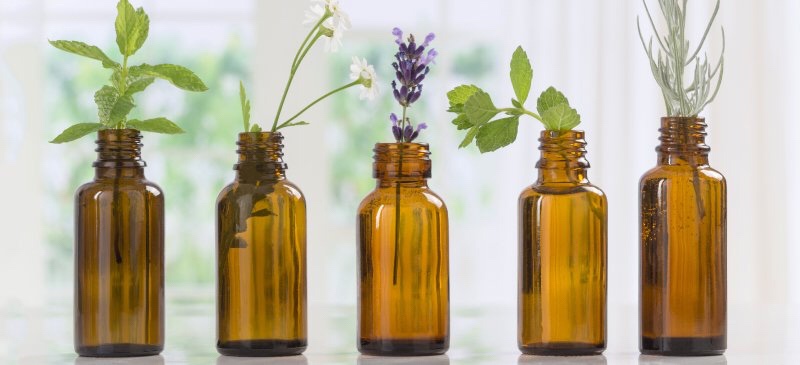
[85, 50]
[132, 28]
[255, 128]
[245, 106]
[497, 134]
[77, 131]
[461, 94]
[561, 118]
[469, 137]
[138, 85]
[179, 76]
[157, 125]
[550, 98]
[462, 122]
[111, 106]
[479, 108]
[521, 74]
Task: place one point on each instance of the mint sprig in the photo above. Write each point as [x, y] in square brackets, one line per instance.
[475, 109]
[115, 101]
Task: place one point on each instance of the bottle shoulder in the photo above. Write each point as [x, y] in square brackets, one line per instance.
[422, 197]
[682, 172]
[97, 188]
[588, 189]
[280, 189]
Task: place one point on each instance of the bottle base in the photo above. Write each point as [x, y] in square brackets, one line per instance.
[119, 350]
[412, 347]
[683, 346]
[262, 348]
[563, 349]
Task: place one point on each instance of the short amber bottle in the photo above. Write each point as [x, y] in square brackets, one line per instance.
[403, 261]
[119, 254]
[562, 253]
[261, 255]
[683, 235]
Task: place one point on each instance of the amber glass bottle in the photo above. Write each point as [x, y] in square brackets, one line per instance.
[562, 253]
[683, 263]
[261, 255]
[119, 254]
[403, 261]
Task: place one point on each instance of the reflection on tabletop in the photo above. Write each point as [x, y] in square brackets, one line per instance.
[146, 360]
[562, 360]
[666, 360]
[282, 360]
[419, 360]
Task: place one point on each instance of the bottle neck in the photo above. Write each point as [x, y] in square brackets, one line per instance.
[562, 158]
[119, 154]
[260, 157]
[683, 142]
[406, 164]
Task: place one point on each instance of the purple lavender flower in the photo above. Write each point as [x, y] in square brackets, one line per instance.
[411, 66]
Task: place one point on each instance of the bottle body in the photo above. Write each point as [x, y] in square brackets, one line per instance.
[403, 259]
[261, 256]
[562, 254]
[119, 254]
[683, 247]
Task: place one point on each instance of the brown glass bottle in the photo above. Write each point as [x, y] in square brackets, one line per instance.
[261, 255]
[119, 254]
[403, 260]
[562, 253]
[683, 234]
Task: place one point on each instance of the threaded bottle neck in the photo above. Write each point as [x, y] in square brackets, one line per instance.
[119, 154]
[260, 156]
[407, 163]
[562, 157]
[683, 141]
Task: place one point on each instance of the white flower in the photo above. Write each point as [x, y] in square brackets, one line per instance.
[333, 36]
[319, 8]
[363, 72]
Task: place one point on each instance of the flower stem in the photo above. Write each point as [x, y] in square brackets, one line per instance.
[323, 97]
[397, 200]
[298, 59]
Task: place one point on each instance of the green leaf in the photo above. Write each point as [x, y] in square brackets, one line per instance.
[469, 137]
[479, 108]
[112, 108]
[521, 74]
[132, 28]
[550, 98]
[245, 106]
[179, 76]
[561, 118]
[85, 50]
[295, 124]
[138, 85]
[255, 128]
[461, 94]
[462, 122]
[77, 131]
[156, 125]
[516, 104]
[497, 134]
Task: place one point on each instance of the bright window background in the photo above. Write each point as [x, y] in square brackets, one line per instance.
[590, 50]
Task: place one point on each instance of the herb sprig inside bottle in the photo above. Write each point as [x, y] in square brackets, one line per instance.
[475, 109]
[411, 66]
[115, 100]
[329, 23]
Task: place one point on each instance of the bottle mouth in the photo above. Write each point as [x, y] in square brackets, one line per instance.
[119, 148]
[561, 150]
[261, 152]
[402, 160]
[683, 135]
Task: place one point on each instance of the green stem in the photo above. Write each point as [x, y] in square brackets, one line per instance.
[523, 111]
[321, 98]
[301, 54]
[397, 200]
[123, 87]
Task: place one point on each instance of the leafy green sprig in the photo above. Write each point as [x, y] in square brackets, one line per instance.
[115, 100]
[475, 109]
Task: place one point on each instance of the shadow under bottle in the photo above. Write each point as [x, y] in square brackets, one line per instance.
[683, 246]
[403, 260]
[562, 254]
[119, 254]
[261, 255]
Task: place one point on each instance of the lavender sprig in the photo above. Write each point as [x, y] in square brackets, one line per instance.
[411, 66]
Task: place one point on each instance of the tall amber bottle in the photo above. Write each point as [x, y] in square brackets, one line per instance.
[119, 254]
[683, 258]
[403, 260]
[261, 255]
[562, 253]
